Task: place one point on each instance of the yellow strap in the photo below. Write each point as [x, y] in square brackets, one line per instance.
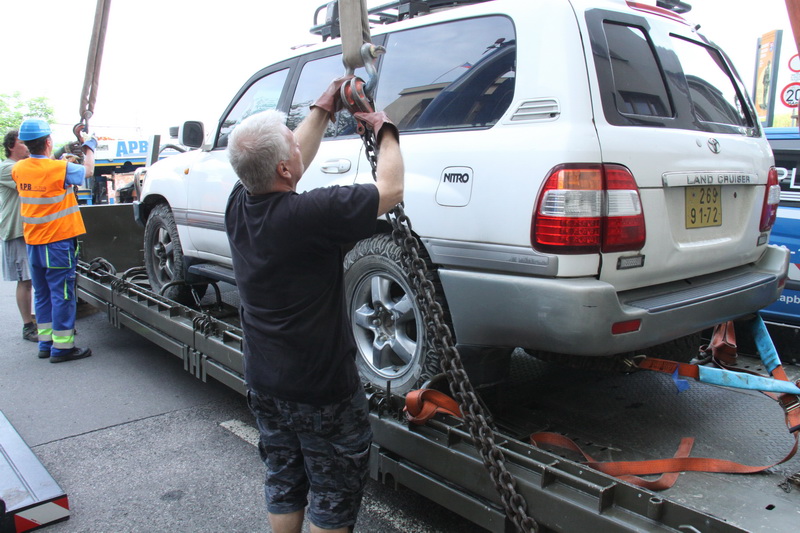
[354, 26]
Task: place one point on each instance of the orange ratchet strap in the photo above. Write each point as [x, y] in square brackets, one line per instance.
[423, 404]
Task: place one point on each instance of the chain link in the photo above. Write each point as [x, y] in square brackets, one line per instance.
[442, 340]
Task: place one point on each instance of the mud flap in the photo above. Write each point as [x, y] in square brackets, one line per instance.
[29, 497]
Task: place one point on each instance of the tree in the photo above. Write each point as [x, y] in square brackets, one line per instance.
[14, 109]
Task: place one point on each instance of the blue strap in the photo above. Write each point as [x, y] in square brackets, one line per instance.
[766, 348]
[680, 384]
[741, 380]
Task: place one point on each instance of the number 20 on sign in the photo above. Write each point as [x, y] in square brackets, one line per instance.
[790, 94]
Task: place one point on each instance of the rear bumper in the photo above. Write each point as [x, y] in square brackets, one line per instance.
[574, 316]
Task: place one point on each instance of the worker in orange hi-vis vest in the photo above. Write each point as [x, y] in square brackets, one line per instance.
[51, 221]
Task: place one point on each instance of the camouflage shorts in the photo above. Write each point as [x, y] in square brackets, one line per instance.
[315, 455]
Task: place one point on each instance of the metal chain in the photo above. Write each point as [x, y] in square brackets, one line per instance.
[442, 339]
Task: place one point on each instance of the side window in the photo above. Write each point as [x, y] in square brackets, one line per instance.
[314, 78]
[639, 86]
[711, 88]
[261, 96]
[455, 75]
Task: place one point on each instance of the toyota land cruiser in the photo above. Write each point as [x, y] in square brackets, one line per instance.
[586, 177]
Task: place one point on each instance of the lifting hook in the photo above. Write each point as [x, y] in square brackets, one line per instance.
[356, 94]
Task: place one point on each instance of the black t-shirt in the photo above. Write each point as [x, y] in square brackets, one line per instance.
[287, 259]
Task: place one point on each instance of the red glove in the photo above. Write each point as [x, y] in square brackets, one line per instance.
[330, 100]
[378, 122]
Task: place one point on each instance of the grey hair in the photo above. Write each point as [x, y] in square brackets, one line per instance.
[256, 147]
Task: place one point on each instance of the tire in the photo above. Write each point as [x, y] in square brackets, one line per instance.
[163, 256]
[387, 322]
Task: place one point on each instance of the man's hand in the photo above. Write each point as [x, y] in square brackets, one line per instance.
[71, 158]
[378, 122]
[90, 143]
[331, 101]
[86, 140]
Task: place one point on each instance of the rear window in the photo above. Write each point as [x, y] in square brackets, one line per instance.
[713, 93]
[638, 80]
[650, 75]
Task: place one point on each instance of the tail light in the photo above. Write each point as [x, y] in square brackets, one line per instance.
[588, 209]
[772, 197]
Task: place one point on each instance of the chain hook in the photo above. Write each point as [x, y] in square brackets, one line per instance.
[370, 54]
[356, 94]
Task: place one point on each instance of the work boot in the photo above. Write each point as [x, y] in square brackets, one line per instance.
[44, 354]
[30, 332]
[75, 353]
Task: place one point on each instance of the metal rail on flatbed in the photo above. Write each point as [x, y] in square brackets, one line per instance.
[437, 460]
[207, 346]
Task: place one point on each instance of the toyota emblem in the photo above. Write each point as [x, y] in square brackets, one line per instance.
[713, 145]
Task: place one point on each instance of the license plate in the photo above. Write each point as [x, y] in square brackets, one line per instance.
[703, 207]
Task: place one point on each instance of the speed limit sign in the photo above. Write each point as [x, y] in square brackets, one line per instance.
[794, 63]
[790, 94]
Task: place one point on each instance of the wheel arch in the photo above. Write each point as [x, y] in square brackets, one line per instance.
[384, 227]
[485, 365]
[147, 204]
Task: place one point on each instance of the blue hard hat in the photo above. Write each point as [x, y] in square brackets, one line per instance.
[33, 128]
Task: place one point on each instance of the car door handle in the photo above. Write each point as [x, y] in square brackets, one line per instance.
[336, 166]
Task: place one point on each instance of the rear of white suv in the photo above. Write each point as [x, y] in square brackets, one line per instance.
[654, 232]
[586, 177]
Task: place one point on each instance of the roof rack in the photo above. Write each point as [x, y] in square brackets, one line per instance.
[674, 5]
[383, 14]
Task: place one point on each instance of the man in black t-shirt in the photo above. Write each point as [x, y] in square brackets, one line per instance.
[303, 386]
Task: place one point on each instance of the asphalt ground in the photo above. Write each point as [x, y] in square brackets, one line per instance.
[140, 445]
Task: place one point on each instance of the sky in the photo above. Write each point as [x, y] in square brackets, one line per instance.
[167, 61]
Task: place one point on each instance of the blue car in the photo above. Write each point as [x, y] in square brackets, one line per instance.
[785, 144]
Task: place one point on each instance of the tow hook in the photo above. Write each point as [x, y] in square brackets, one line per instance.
[357, 94]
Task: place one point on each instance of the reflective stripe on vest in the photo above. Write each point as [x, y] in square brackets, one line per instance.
[49, 210]
[49, 218]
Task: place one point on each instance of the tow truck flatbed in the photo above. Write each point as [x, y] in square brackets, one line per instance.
[29, 496]
[613, 416]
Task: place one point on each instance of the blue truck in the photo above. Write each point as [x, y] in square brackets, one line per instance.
[785, 143]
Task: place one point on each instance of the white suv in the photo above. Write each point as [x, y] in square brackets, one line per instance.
[587, 177]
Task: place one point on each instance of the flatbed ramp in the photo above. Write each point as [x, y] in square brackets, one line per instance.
[612, 416]
[29, 497]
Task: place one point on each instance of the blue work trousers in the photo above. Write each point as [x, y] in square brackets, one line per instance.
[53, 276]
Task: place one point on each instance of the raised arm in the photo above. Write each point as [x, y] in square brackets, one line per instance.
[88, 156]
[390, 173]
[309, 133]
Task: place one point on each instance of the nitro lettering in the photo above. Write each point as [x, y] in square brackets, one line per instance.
[455, 177]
